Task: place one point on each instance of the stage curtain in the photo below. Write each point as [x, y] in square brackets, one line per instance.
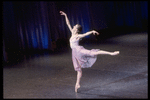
[36, 24]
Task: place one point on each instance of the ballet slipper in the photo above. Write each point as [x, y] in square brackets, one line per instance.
[76, 88]
[115, 53]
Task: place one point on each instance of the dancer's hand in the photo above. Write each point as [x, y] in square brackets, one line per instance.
[95, 32]
[62, 13]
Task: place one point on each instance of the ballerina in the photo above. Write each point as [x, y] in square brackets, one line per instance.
[81, 57]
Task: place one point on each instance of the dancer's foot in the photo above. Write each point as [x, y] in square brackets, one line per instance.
[115, 53]
[76, 88]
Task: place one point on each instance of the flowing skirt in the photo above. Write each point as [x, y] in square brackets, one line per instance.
[83, 58]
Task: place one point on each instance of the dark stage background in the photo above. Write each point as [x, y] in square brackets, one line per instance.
[38, 27]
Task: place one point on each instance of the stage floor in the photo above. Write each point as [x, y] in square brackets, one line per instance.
[111, 77]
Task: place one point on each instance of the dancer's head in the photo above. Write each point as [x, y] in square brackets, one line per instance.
[77, 28]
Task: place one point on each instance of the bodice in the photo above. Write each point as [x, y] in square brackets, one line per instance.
[74, 41]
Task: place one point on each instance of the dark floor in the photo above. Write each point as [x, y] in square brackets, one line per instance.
[111, 77]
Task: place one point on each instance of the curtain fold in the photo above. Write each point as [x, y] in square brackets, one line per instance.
[37, 24]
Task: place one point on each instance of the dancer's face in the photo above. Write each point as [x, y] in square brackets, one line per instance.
[75, 28]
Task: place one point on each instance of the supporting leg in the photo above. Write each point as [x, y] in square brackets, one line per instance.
[79, 75]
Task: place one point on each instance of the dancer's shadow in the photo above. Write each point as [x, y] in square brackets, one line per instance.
[89, 92]
[81, 94]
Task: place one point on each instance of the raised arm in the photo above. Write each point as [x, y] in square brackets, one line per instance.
[88, 33]
[67, 20]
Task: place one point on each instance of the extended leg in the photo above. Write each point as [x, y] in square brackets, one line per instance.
[106, 52]
[79, 75]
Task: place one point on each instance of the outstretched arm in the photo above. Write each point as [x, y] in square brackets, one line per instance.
[67, 20]
[88, 33]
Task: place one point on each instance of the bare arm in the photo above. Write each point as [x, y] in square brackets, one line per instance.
[88, 33]
[67, 20]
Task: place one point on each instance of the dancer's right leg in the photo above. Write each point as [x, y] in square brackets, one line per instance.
[106, 52]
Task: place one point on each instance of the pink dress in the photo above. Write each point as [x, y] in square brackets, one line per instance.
[81, 57]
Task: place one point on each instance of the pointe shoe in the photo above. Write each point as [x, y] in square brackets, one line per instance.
[76, 88]
[115, 53]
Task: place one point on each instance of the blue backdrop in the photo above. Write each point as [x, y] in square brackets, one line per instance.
[35, 25]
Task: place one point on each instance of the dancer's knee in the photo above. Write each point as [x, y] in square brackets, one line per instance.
[94, 53]
[80, 73]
